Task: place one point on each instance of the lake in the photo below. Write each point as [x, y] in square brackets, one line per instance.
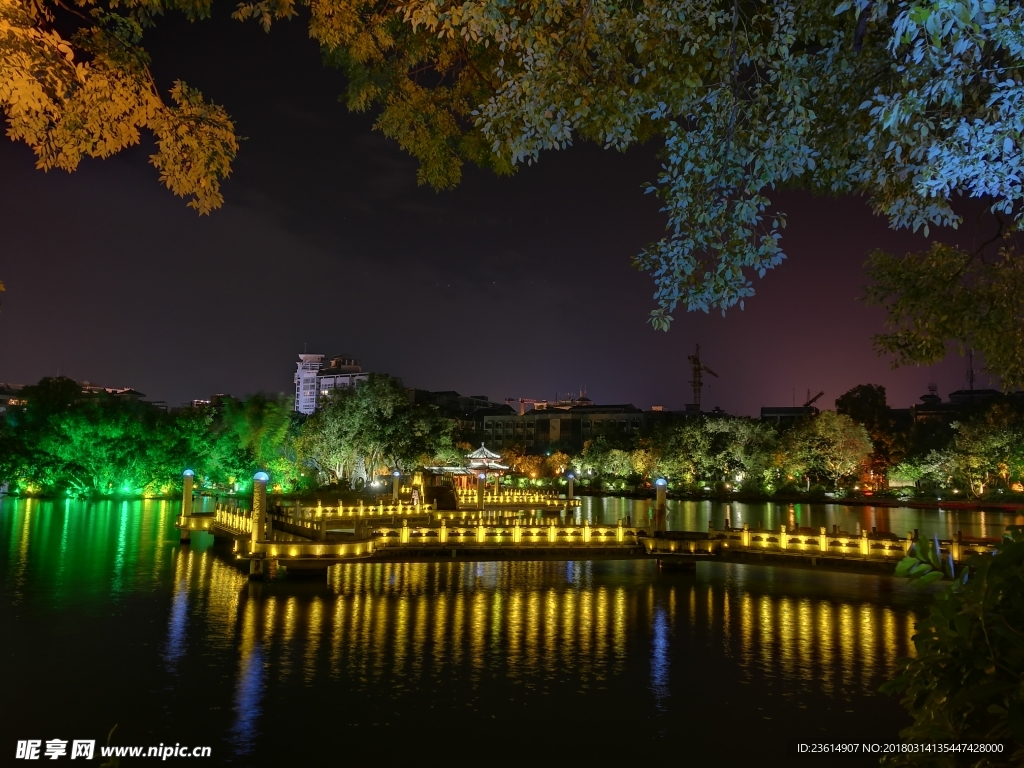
[108, 621]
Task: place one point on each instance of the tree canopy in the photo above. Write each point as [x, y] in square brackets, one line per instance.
[908, 103]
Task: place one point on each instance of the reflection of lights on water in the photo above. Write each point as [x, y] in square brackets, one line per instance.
[659, 657]
[178, 624]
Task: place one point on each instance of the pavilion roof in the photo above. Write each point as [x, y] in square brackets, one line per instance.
[483, 453]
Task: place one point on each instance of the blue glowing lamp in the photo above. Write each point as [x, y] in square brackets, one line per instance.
[482, 476]
[188, 473]
[396, 473]
[571, 476]
[661, 482]
[261, 476]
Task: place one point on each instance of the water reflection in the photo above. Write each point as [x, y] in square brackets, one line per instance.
[694, 516]
[659, 657]
[414, 623]
[386, 642]
[251, 682]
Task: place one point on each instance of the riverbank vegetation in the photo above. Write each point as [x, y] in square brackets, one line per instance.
[62, 442]
[862, 447]
[65, 442]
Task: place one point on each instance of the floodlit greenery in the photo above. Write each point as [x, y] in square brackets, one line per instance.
[730, 453]
[862, 445]
[62, 442]
[359, 431]
[67, 442]
[909, 103]
[983, 456]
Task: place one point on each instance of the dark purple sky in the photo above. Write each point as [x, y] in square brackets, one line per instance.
[510, 287]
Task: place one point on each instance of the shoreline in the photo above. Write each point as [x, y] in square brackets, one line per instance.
[979, 506]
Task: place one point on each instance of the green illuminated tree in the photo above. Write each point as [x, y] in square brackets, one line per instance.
[908, 103]
[326, 441]
[374, 422]
[88, 444]
[986, 452]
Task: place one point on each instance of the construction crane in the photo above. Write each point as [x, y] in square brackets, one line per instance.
[698, 370]
[812, 400]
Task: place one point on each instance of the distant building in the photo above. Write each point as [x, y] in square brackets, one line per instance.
[10, 396]
[785, 414]
[316, 375]
[122, 393]
[561, 424]
[461, 409]
[932, 408]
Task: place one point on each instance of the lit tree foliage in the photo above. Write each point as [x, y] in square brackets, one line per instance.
[90, 95]
[830, 444]
[908, 103]
[374, 424]
[984, 454]
[258, 434]
[97, 444]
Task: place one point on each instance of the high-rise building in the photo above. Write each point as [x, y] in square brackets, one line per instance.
[316, 375]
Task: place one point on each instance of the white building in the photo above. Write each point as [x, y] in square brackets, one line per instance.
[314, 378]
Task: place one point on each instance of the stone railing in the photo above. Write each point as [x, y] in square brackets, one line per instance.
[500, 533]
[876, 546]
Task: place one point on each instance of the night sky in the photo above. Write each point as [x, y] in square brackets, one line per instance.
[509, 287]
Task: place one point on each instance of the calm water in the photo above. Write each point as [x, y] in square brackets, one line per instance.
[107, 620]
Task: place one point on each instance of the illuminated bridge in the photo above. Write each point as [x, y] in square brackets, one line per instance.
[314, 538]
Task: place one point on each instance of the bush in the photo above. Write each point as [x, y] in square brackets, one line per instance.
[788, 489]
[965, 682]
[817, 491]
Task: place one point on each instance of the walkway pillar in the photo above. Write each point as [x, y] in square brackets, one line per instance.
[568, 494]
[481, 481]
[822, 542]
[660, 505]
[259, 506]
[396, 486]
[186, 505]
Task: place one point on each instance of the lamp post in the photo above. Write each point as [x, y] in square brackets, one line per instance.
[396, 485]
[259, 506]
[186, 505]
[568, 494]
[481, 479]
[259, 513]
[660, 505]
